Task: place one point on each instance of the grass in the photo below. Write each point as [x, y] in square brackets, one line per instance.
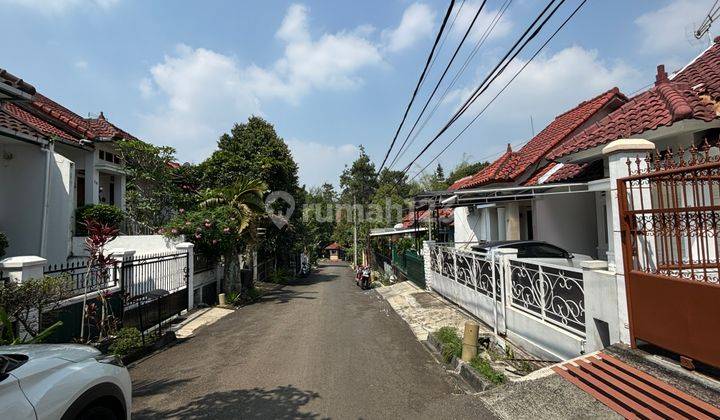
[483, 367]
[450, 341]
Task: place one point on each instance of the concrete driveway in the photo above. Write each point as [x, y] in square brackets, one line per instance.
[319, 349]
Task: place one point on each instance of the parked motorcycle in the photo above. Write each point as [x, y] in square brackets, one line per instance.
[304, 269]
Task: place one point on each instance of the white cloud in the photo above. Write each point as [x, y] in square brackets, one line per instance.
[81, 64]
[54, 7]
[550, 85]
[502, 27]
[203, 92]
[321, 163]
[417, 23]
[669, 30]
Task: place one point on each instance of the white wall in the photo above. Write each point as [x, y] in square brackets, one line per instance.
[478, 225]
[60, 209]
[22, 172]
[141, 244]
[568, 221]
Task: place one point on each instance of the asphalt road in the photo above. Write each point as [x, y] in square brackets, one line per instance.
[319, 349]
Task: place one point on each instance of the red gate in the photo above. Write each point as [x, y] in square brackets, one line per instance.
[669, 214]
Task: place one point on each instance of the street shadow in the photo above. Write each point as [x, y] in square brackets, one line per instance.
[159, 386]
[283, 402]
[284, 296]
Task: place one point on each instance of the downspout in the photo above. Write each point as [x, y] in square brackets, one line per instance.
[49, 150]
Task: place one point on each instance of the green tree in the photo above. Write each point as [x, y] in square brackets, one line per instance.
[434, 181]
[156, 187]
[319, 218]
[254, 149]
[223, 224]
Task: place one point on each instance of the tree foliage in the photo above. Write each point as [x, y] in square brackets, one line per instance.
[465, 168]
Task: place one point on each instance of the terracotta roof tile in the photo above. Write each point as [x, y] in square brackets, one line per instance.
[690, 94]
[424, 215]
[15, 126]
[16, 82]
[37, 123]
[535, 178]
[488, 173]
[103, 128]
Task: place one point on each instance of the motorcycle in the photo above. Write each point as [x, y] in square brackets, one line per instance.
[365, 278]
[304, 269]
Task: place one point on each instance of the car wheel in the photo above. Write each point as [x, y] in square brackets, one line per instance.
[98, 412]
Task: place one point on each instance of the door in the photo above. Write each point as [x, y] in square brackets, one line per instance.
[13, 401]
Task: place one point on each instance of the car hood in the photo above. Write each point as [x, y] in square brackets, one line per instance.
[69, 352]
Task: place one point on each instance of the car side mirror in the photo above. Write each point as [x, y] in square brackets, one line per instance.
[569, 256]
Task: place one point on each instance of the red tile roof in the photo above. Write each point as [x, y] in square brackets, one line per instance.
[103, 128]
[512, 165]
[535, 178]
[62, 114]
[424, 215]
[8, 123]
[564, 173]
[487, 174]
[36, 123]
[691, 94]
[16, 82]
[334, 245]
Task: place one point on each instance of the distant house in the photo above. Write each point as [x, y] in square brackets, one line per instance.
[52, 161]
[334, 251]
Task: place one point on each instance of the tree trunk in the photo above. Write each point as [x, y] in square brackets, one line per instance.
[231, 273]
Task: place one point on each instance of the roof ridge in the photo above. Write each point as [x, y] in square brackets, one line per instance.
[615, 91]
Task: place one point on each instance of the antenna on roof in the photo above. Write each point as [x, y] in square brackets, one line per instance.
[532, 126]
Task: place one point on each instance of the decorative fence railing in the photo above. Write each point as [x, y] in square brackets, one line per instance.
[203, 262]
[130, 226]
[551, 294]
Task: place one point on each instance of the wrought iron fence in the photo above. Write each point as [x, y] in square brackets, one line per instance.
[82, 280]
[130, 226]
[161, 271]
[202, 262]
[410, 265]
[555, 294]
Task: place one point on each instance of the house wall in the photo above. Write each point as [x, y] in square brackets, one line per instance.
[568, 221]
[141, 244]
[60, 209]
[22, 170]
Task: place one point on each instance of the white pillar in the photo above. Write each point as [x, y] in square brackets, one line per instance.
[120, 191]
[512, 220]
[122, 255]
[187, 247]
[617, 153]
[427, 264]
[22, 269]
[601, 305]
[92, 178]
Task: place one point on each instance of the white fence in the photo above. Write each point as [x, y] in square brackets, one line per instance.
[541, 306]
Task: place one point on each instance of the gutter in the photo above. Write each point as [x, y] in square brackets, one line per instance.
[49, 153]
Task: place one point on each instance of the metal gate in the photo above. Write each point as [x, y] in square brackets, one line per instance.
[669, 213]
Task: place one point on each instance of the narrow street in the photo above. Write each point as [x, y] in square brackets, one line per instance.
[322, 348]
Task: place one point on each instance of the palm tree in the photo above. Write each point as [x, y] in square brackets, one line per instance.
[244, 200]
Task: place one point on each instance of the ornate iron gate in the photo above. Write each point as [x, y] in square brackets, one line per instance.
[669, 214]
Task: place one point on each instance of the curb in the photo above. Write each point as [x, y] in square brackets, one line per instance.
[476, 381]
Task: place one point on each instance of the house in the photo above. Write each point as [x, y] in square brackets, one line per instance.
[628, 181]
[52, 161]
[524, 195]
[335, 251]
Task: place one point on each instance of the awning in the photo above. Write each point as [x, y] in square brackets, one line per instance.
[494, 195]
[397, 232]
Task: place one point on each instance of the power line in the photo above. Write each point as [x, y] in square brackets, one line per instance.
[503, 89]
[420, 80]
[481, 41]
[447, 68]
[446, 34]
[494, 74]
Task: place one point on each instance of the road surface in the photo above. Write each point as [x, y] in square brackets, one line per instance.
[319, 349]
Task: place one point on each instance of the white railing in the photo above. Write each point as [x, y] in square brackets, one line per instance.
[551, 294]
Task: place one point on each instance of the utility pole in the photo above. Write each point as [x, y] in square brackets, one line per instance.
[355, 261]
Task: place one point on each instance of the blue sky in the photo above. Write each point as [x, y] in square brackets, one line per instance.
[329, 75]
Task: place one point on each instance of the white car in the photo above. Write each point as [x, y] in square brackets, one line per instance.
[62, 381]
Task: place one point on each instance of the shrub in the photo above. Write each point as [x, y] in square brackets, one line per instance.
[280, 276]
[102, 213]
[451, 343]
[127, 340]
[3, 244]
[252, 294]
[482, 366]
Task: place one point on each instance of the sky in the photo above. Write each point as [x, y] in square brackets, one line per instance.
[333, 75]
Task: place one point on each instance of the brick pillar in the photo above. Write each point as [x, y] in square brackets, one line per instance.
[426, 263]
[617, 154]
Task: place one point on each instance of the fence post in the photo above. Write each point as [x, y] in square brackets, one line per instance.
[19, 270]
[187, 247]
[502, 257]
[255, 265]
[123, 276]
[427, 255]
[602, 322]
